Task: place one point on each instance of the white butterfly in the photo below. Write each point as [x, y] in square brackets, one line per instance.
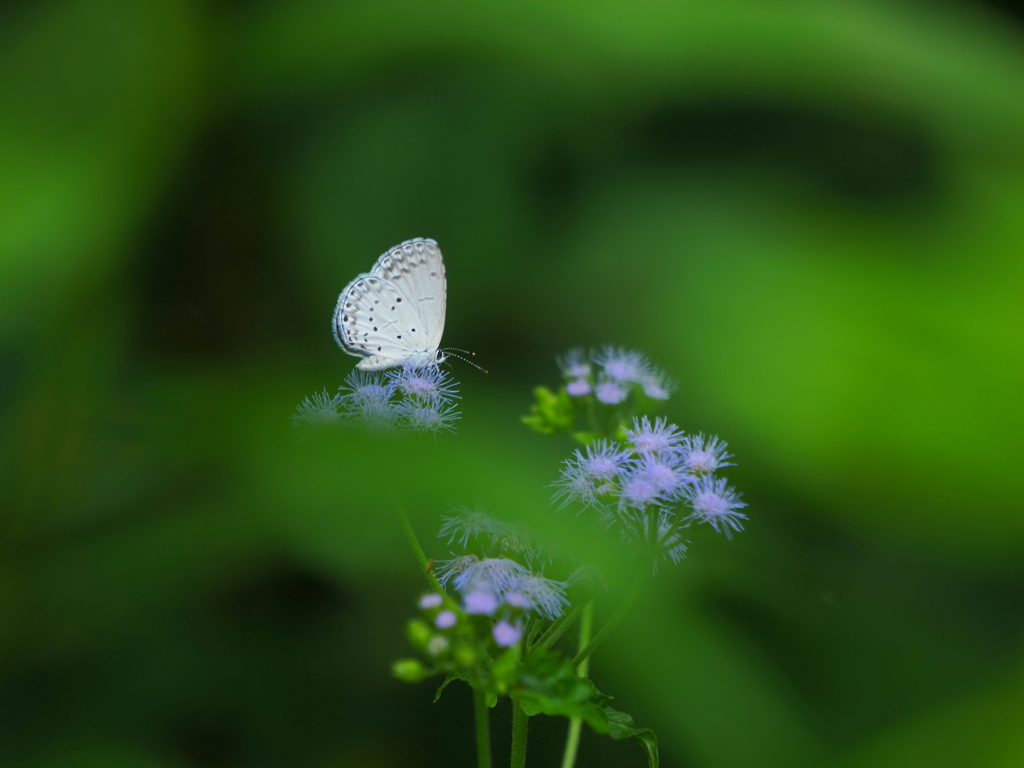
[394, 314]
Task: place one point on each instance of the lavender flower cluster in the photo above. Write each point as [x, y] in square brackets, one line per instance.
[406, 399]
[654, 485]
[499, 586]
[498, 596]
[612, 375]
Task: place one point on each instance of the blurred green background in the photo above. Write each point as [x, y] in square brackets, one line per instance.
[811, 214]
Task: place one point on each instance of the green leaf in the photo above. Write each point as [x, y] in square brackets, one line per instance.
[622, 726]
[551, 412]
[504, 670]
[449, 678]
[550, 686]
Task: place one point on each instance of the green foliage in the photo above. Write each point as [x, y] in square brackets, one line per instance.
[467, 652]
[582, 418]
[585, 416]
[551, 412]
[622, 726]
[543, 681]
[448, 680]
[550, 686]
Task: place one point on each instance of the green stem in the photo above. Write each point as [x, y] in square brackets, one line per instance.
[520, 723]
[634, 593]
[483, 731]
[572, 739]
[417, 550]
[559, 626]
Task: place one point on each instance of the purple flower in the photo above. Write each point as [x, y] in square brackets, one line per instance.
[447, 569]
[578, 388]
[574, 364]
[496, 574]
[611, 393]
[426, 382]
[445, 619]
[366, 396]
[430, 600]
[638, 492]
[656, 385]
[654, 478]
[428, 416]
[424, 403]
[575, 485]
[480, 602]
[654, 438]
[641, 484]
[518, 600]
[318, 410]
[665, 471]
[506, 635]
[602, 461]
[545, 596]
[623, 365]
[706, 454]
[587, 474]
[715, 503]
[365, 388]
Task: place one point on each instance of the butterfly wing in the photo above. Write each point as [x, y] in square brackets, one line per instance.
[394, 314]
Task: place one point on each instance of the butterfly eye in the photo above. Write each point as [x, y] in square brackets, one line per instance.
[439, 354]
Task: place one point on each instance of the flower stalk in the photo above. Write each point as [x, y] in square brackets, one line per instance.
[520, 726]
[483, 730]
[572, 737]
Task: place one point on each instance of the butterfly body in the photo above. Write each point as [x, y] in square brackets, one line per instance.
[394, 314]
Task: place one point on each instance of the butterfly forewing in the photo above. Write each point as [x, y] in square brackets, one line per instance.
[416, 267]
[395, 314]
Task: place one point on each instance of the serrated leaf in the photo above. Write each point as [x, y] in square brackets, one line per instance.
[449, 678]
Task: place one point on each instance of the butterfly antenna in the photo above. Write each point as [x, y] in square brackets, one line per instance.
[452, 350]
